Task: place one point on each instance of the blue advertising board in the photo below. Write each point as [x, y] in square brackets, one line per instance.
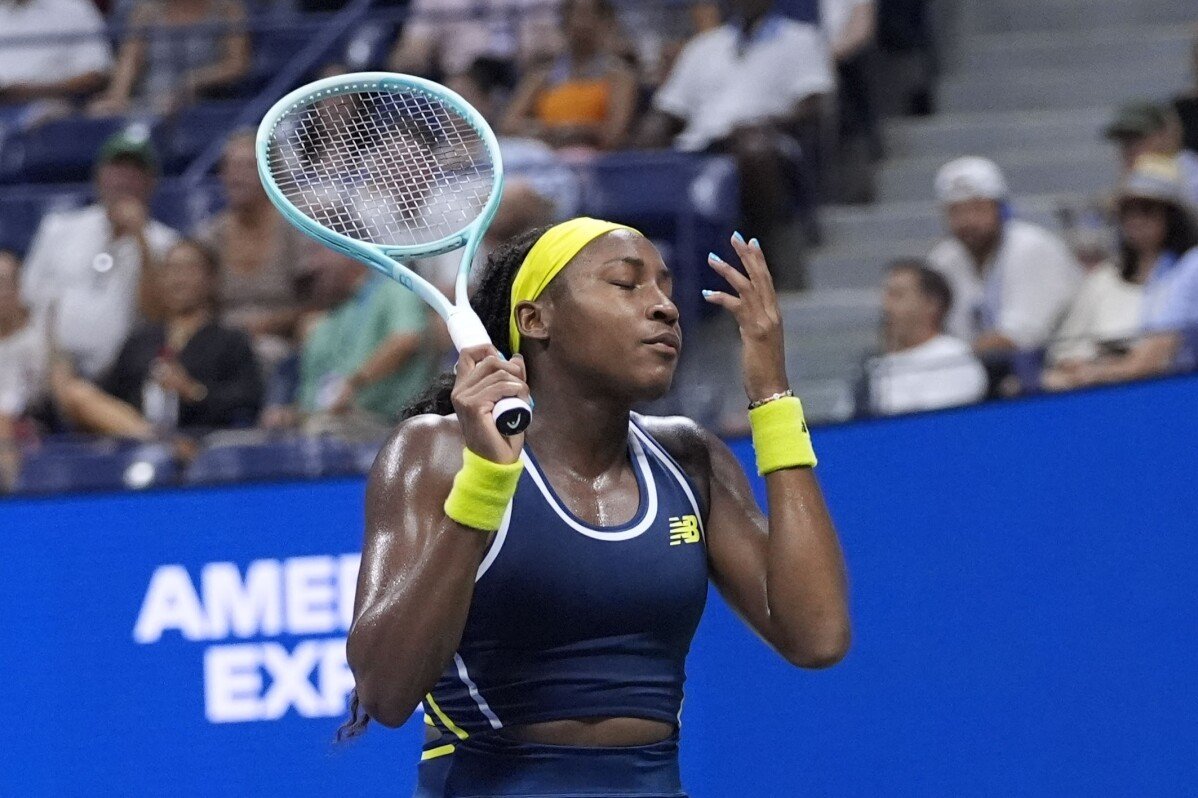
[1023, 588]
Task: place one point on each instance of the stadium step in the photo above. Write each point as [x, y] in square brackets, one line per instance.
[996, 16]
[921, 219]
[988, 133]
[1081, 86]
[1057, 49]
[1083, 168]
[828, 335]
[860, 264]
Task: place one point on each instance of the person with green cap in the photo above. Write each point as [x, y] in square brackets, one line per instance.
[1151, 129]
[88, 268]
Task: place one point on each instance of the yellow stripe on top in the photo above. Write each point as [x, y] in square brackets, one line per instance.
[433, 753]
[548, 256]
[449, 724]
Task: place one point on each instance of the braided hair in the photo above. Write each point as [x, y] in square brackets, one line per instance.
[492, 301]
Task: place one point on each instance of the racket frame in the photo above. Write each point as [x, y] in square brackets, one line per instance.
[465, 328]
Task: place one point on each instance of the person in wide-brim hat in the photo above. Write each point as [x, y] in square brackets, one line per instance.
[1158, 231]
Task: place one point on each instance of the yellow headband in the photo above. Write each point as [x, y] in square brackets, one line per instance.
[548, 256]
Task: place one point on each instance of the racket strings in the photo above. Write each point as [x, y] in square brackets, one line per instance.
[390, 168]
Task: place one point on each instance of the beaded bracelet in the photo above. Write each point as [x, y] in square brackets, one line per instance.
[771, 398]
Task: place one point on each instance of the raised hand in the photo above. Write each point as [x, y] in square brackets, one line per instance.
[483, 378]
[755, 307]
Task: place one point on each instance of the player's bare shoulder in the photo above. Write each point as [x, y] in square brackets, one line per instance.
[686, 441]
[426, 446]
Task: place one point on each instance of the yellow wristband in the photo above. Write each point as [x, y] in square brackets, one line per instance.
[481, 491]
[780, 436]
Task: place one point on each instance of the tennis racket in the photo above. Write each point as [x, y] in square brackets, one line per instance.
[388, 168]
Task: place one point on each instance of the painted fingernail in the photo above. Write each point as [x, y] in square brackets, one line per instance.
[715, 257]
[706, 293]
[753, 242]
[738, 237]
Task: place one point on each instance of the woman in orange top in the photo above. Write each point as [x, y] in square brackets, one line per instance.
[586, 97]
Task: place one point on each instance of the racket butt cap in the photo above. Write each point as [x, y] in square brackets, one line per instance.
[512, 415]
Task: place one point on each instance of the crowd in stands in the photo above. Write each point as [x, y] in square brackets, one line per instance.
[114, 323]
[1019, 298]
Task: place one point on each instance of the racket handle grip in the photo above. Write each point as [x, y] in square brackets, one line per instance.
[512, 416]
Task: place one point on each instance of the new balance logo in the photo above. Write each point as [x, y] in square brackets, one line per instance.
[684, 529]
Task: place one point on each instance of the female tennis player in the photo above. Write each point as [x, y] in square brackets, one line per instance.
[538, 593]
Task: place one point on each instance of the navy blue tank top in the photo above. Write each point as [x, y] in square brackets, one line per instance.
[570, 620]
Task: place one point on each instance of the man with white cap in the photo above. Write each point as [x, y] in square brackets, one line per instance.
[1013, 280]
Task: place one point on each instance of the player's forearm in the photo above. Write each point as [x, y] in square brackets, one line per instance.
[149, 296]
[69, 87]
[1150, 356]
[218, 76]
[805, 578]
[400, 645]
[124, 75]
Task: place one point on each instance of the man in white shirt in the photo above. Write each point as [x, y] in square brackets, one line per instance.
[46, 67]
[85, 268]
[1012, 280]
[923, 369]
[752, 87]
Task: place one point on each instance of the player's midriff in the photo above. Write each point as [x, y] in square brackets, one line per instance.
[600, 732]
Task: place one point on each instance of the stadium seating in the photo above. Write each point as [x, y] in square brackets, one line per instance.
[82, 465]
[22, 208]
[257, 459]
[59, 151]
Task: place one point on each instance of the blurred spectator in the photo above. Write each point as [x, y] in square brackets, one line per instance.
[522, 208]
[752, 87]
[186, 372]
[23, 362]
[1012, 280]
[850, 27]
[1186, 104]
[1102, 320]
[49, 68]
[442, 38]
[922, 368]
[23, 351]
[910, 61]
[1146, 128]
[528, 158]
[91, 269]
[10, 455]
[177, 51]
[1159, 248]
[586, 97]
[262, 283]
[365, 359]
[1088, 232]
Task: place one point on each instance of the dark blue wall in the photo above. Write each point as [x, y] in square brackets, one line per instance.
[1023, 584]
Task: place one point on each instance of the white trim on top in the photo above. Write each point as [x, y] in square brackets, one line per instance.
[496, 544]
[472, 688]
[650, 498]
[666, 460]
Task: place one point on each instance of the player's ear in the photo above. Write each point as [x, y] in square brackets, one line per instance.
[532, 320]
